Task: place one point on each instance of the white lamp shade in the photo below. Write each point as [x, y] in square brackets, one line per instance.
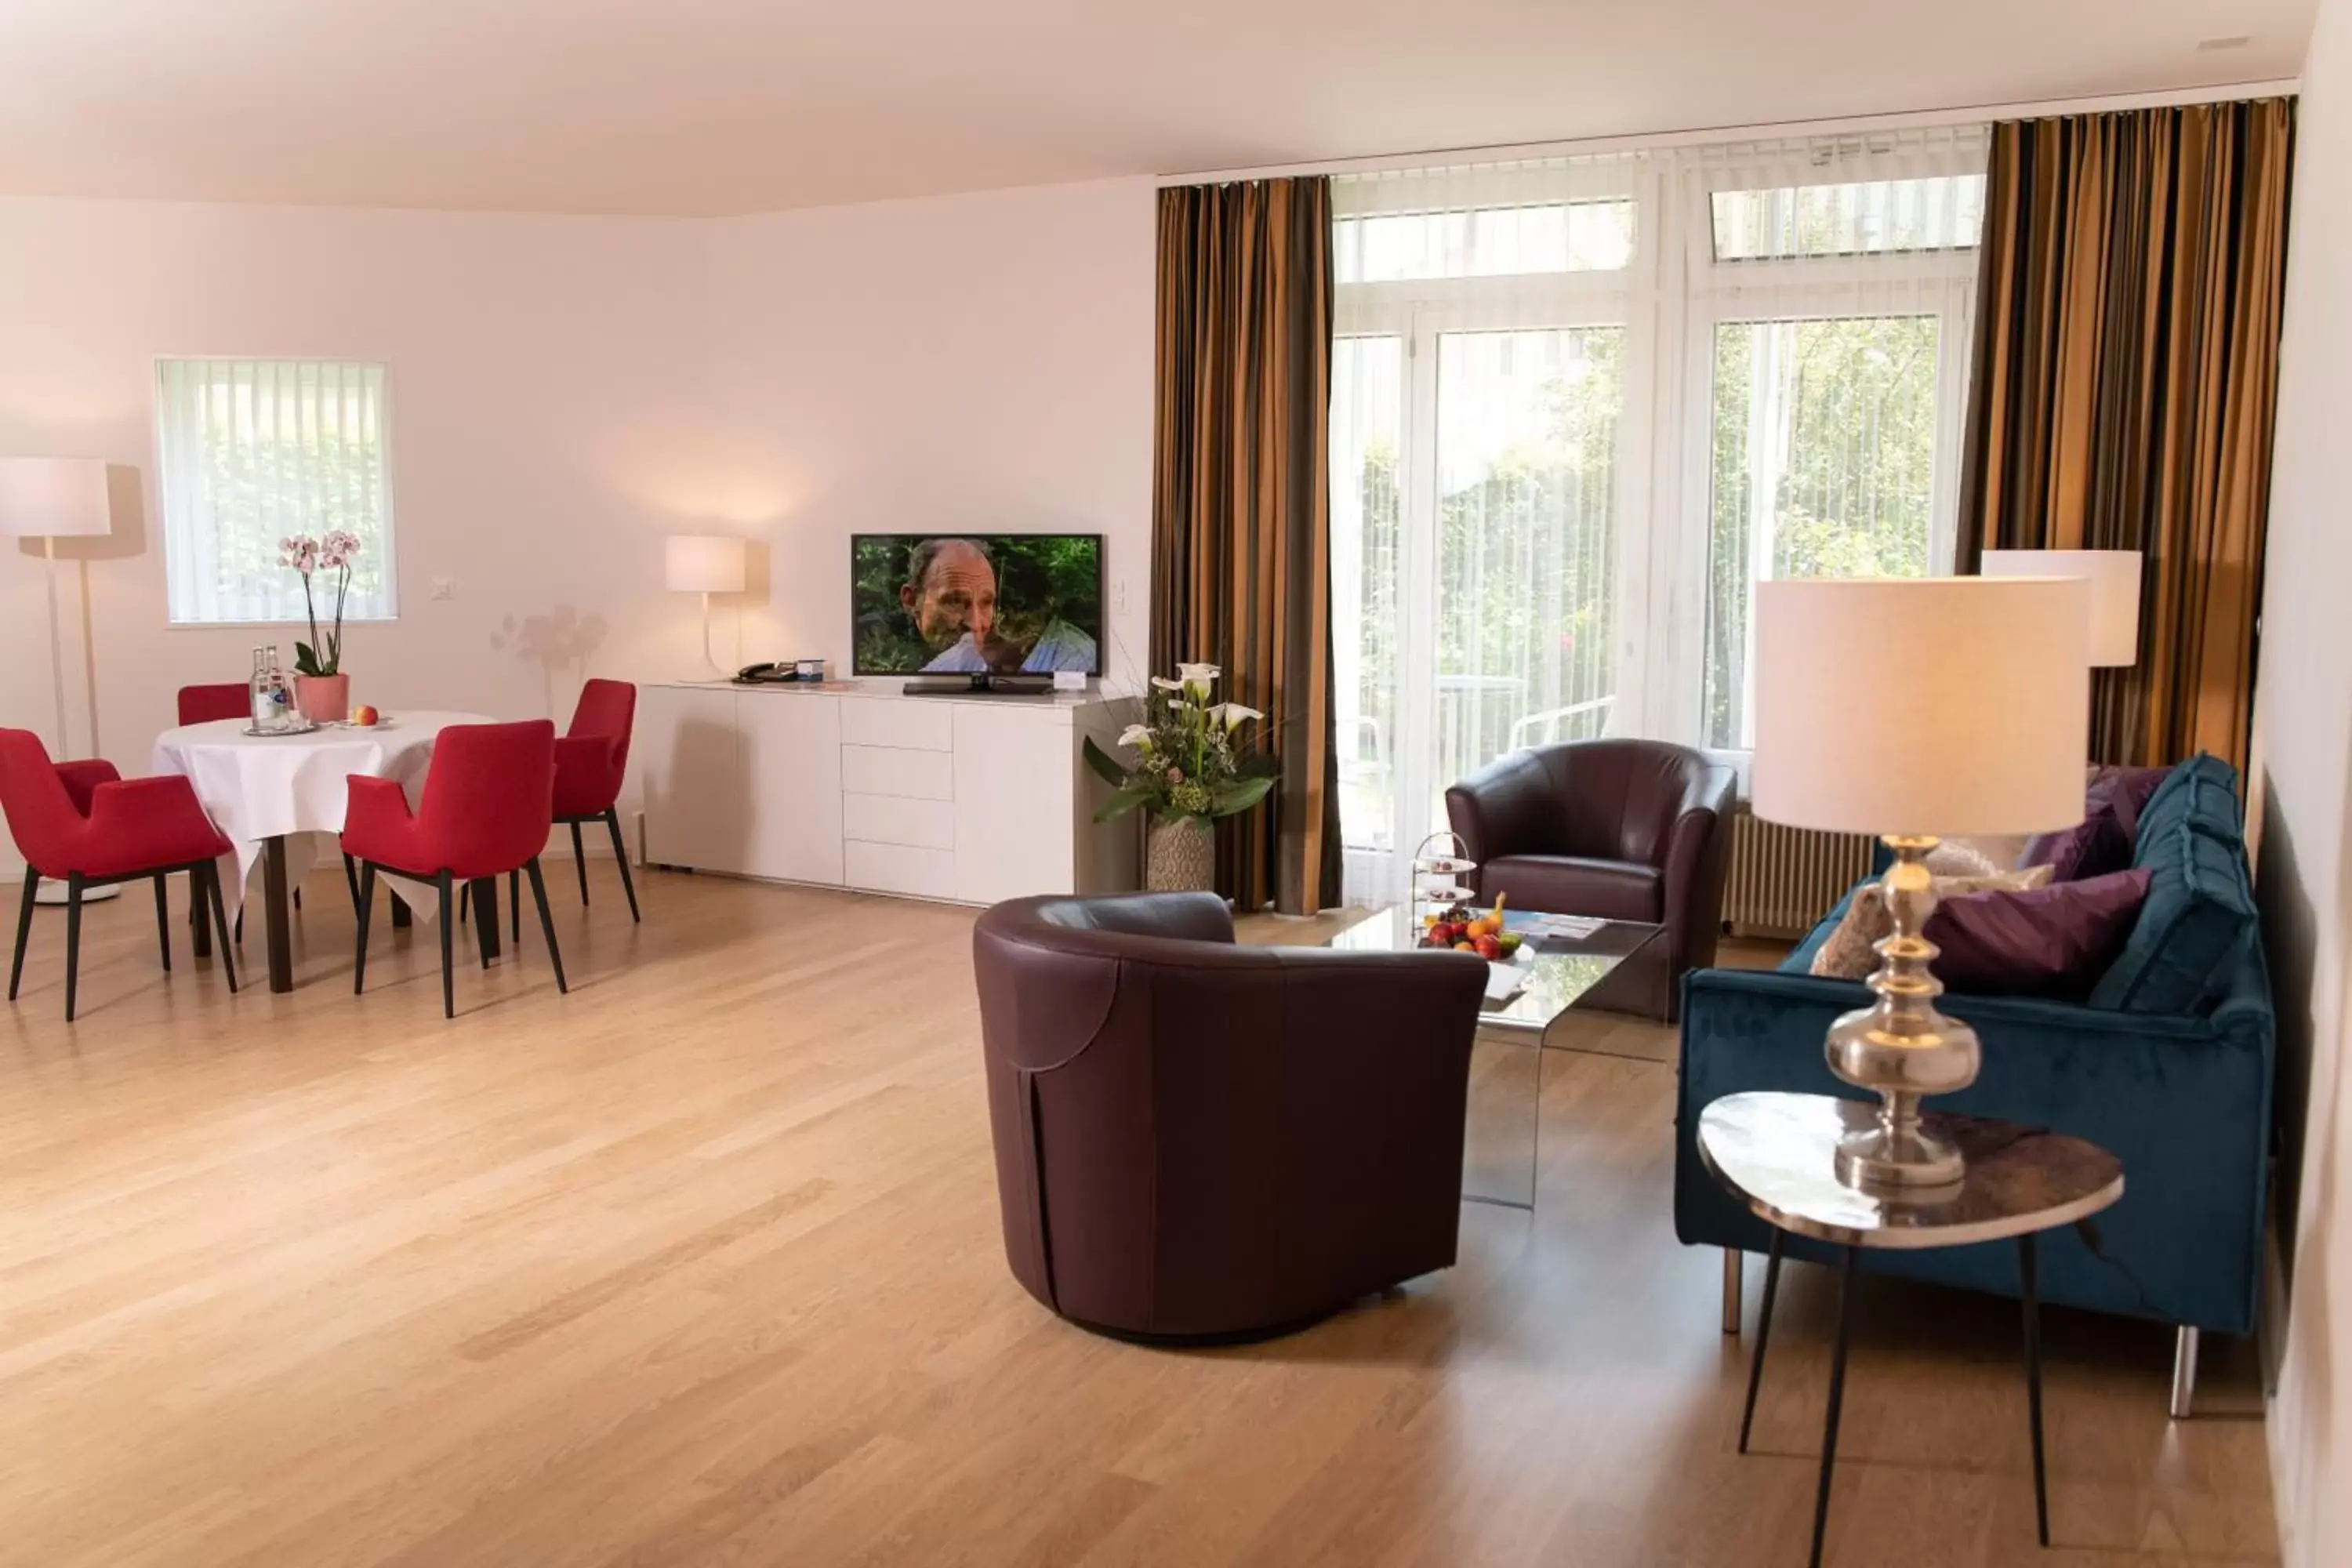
[1939, 705]
[704, 563]
[2114, 576]
[53, 497]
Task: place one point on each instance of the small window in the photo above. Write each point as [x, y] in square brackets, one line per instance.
[251, 451]
[1875, 217]
[1484, 242]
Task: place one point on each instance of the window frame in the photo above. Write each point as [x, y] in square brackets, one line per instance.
[1671, 299]
[385, 426]
[1720, 292]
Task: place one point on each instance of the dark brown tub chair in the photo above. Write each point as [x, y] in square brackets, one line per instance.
[1196, 1139]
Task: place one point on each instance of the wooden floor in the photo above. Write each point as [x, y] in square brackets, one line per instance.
[700, 1264]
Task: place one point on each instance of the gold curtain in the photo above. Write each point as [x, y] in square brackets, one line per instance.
[1241, 525]
[2125, 386]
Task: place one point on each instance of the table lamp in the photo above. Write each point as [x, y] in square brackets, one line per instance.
[705, 564]
[2114, 576]
[1913, 708]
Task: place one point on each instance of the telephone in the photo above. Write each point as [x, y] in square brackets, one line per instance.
[781, 671]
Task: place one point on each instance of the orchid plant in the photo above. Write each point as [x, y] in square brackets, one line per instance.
[1191, 763]
[335, 552]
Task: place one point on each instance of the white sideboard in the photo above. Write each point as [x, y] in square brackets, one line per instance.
[972, 799]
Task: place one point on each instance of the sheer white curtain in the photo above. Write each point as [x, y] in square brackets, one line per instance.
[250, 451]
[1580, 405]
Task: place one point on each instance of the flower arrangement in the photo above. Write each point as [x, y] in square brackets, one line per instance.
[310, 557]
[1191, 763]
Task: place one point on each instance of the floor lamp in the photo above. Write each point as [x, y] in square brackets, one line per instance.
[2114, 576]
[49, 499]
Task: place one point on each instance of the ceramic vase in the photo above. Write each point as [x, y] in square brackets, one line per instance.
[324, 698]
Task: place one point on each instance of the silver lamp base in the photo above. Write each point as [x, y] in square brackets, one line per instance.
[1900, 1047]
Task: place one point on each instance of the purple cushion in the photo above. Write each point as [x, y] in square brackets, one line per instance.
[2054, 941]
[2097, 845]
[2127, 791]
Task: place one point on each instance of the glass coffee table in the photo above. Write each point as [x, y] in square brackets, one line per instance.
[1567, 987]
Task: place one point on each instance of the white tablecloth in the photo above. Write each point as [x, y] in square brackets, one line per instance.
[256, 787]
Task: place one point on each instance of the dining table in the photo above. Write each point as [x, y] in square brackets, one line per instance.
[263, 791]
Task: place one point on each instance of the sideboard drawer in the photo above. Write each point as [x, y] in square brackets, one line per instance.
[896, 770]
[911, 724]
[899, 868]
[895, 819]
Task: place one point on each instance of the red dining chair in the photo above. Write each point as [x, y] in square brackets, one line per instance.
[589, 763]
[83, 823]
[234, 700]
[589, 760]
[223, 700]
[488, 807]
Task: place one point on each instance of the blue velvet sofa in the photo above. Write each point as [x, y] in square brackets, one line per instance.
[2169, 1063]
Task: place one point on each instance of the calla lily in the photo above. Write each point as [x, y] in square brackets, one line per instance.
[1135, 735]
[1161, 683]
[1197, 677]
[1234, 715]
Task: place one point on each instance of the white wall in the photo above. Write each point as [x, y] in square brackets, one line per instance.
[978, 363]
[566, 391]
[2304, 723]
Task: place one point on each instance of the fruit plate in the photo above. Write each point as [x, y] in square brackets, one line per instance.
[1483, 933]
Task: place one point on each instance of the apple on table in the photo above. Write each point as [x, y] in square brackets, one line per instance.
[365, 716]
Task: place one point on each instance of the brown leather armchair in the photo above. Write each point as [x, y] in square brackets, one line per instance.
[1628, 830]
[1197, 1140]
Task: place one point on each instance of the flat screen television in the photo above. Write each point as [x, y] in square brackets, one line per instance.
[976, 603]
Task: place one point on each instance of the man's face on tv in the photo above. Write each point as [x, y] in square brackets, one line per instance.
[957, 595]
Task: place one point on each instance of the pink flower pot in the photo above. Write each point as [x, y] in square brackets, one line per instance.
[324, 698]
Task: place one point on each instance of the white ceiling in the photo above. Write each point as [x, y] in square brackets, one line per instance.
[705, 107]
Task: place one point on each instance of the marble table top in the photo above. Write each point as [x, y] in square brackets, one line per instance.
[1776, 1154]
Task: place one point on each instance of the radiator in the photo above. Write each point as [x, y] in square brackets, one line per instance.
[1784, 880]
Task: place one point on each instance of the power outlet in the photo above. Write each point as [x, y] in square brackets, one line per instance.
[444, 588]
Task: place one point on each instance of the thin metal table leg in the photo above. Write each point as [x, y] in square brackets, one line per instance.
[1837, 1401]
[2184, 1374]
[2028, 1280]
[1763, 1333]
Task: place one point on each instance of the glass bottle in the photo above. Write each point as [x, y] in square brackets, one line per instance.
[257, 691]
[281, 694]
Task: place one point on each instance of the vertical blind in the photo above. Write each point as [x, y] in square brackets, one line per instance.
[251, 451]
[1581, 407]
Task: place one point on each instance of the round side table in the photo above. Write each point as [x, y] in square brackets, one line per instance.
[1776, 1154]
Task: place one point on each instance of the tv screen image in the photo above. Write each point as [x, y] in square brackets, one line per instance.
[976, 603]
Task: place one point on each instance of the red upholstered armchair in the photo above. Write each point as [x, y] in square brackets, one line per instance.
[83, 823]
[590, 761]
[1621, 829]
[487, 810]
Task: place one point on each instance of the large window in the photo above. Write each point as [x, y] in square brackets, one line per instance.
[1582, 408]
[250, 451]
